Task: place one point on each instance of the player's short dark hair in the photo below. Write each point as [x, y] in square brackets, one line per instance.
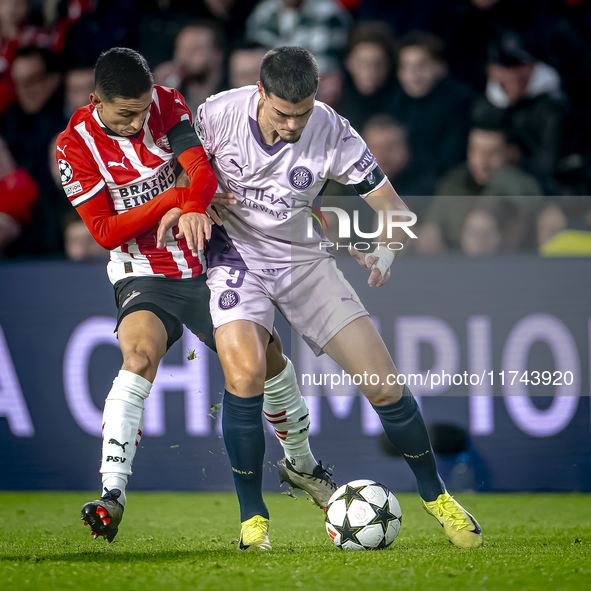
[290, 73]
[122, 72]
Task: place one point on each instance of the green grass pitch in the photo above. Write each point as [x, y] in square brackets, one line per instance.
[188, 541]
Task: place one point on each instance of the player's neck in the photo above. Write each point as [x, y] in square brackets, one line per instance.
[269, 135]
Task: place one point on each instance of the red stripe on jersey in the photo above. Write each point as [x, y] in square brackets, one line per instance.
[146, 157]
[193, 262]
[161, 261]
[117, 163]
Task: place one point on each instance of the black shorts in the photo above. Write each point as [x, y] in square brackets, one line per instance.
[174, 301]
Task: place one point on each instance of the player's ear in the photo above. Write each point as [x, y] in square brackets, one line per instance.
[261, 90]
[95, 100]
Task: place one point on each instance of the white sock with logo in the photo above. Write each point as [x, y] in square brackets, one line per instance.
[123, 418]
[285, 408]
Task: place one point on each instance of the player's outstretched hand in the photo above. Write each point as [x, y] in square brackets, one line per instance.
[196, 229]
[170, 219]
[368, 260]
[220, 199]
[224, 199]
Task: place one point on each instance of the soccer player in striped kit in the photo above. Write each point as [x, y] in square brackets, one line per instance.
[117, 160]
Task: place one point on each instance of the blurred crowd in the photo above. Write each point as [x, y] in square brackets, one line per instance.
[476, 110]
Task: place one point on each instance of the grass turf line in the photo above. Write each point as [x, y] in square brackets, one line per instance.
[185, 541]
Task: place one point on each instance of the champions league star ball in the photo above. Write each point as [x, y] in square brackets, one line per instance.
[363, 515]
[66, 172]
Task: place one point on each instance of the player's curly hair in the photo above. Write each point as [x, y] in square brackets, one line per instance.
[290, 73]
[122, 72]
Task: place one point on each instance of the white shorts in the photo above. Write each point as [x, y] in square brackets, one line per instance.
[315, 298]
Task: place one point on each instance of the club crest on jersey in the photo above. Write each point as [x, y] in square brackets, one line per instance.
[228, 299]
[162, 142]
[300, 178]
[66, 172]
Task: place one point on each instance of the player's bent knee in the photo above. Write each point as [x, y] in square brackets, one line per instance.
[245, 381]
[142, 363]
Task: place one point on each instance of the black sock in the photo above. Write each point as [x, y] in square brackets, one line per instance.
[242, 425]
[405, 428]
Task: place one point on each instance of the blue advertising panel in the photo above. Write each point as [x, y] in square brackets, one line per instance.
[499, 348]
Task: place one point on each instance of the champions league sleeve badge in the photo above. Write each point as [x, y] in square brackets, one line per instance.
[66, 172]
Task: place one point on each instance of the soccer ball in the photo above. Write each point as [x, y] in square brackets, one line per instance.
[363, 515]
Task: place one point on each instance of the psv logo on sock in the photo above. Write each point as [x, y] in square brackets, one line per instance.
[116, 459]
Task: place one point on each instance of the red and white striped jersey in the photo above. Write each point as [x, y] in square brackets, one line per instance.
[133, 170]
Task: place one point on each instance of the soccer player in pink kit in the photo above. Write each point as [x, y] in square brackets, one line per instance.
[274, 147]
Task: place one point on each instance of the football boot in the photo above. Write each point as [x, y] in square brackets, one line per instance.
[319, 485]
[461, 528]
[104, 516]
[254, 534]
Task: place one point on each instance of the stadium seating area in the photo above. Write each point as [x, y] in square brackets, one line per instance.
[476, 110]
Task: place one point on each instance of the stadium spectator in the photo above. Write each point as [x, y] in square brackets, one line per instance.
[18, 193]
[387, 141]
[27, 128]
[558, 235]
[489, 170]
[493, 225]
[244, 64]
[524, 94]
[481, 235]
[161, 21]
[368, 84]
[13, 15]
[317, 25]
[79, 244]
[434, 107]
[551, 220]
[196, 68]
[79, 83]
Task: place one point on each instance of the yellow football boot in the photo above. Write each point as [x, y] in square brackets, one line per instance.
[461, 528]
[254, 534]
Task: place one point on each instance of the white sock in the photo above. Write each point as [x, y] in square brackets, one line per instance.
[119, 481]
[122, 428]
[285, 408]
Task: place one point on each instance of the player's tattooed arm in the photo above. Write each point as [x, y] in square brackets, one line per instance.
[383, 199]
